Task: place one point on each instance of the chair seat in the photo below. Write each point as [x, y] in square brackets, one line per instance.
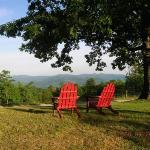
[93, 104]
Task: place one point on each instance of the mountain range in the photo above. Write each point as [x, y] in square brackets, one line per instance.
[56, 80]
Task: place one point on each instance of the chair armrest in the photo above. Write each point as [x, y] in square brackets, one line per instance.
[92, 98]
[55, 103]
[54, 99]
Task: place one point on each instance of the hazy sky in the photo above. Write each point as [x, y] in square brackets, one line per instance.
[23, 63]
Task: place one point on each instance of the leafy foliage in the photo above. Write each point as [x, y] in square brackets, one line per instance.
[134, 79]
[50, 23]
[5, 86]
[97, 23]
[18, 93]
[90, 87]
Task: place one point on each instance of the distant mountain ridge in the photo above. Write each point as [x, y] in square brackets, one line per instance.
[56, 80]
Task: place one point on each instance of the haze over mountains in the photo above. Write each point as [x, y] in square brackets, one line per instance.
[45, 81]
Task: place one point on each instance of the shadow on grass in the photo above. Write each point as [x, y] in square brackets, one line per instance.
[37, 110]
[130, 125]
[30, 110]
[136, 119]
[134, 112]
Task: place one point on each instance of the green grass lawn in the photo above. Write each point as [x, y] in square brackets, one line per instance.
[33, 128]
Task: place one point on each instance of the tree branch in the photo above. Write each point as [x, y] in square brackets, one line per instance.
[136, 48]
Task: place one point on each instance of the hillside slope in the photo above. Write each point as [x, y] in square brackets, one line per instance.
[45, 81]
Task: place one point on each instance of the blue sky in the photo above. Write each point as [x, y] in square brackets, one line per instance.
[12, 9]
[23, 63]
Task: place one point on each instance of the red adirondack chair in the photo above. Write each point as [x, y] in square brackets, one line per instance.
[104, 100]
[67, 98]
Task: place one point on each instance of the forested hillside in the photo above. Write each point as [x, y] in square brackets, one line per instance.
[57, 80]
[14, 92]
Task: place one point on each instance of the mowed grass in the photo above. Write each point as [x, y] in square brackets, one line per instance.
[34, 128]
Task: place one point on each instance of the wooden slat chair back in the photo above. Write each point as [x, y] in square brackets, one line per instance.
[106, 96]
[104, 100]
[68, 98]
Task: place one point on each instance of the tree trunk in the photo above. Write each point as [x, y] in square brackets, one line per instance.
[146, 86]
[146, 64]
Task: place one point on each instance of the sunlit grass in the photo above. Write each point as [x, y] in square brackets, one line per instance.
[28, 127]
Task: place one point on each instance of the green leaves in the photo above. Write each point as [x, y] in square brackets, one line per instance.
[73, 33]
[134, 78]
[19, 93]
[5, 86]
[114, 27]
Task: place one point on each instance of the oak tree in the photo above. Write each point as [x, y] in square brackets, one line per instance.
[120, 28]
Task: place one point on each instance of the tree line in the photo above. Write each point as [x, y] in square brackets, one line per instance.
[19, 93]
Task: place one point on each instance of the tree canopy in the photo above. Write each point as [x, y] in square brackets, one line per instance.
[119, 28]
